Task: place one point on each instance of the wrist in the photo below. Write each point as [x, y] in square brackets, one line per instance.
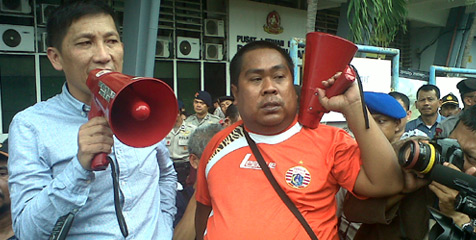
[461, 219]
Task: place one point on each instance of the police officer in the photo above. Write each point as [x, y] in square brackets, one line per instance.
[176, 141]
[467, 89]
[201, 103]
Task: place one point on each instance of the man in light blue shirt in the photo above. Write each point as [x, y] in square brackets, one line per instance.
[52, 144]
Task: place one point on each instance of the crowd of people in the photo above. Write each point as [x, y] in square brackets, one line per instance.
[226, 170]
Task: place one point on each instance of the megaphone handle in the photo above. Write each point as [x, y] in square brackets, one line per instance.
[99, 161]
[342, 83]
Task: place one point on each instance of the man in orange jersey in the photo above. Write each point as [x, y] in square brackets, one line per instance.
[310, 165]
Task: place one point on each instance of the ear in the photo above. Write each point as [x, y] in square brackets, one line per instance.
[467, 101]
[227, 122]
[409, 114]
[234, 91]
[55, 58]
[194, 160]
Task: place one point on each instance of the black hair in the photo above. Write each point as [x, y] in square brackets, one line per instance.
[429, 87]
[237, 61]
[232, 112]
[62, 17]
[403, 97]
[468, 117]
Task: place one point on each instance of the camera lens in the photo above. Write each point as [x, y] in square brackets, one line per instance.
[418, 156]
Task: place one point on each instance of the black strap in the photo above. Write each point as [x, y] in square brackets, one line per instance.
[277, 188]
[362, 100]
[117, 205]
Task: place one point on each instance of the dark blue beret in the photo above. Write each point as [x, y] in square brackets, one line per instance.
[384, 104]
[205, 97]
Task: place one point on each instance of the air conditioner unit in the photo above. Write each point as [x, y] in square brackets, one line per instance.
[214, 28]
[188, 48]
[162, 48]
[43, 44]
[17, 38]
[213, 51]
[46, 10]
[15, 6]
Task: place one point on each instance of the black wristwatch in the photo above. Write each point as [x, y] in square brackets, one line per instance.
[468, 227]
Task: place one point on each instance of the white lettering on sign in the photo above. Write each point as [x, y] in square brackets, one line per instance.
[106, 92]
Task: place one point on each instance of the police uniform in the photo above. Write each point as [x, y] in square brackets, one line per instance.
[445, 127]
[208, 119]
[177, 141]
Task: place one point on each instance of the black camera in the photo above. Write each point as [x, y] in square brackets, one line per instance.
[422, 157]
[428, 158]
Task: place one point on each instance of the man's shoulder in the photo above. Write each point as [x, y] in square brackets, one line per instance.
[445, 127]
[223, 139]
[412, 124]
[37, 111]
[190, 118]
[187, 128]
[213, 117]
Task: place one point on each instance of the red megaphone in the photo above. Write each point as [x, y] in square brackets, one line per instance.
[325, 56]
[141, 111]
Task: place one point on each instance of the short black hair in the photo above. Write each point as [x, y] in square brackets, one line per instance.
[468, 117]
[427, 88]
[237, 61]
[232, 112]
[62, 17]
[401, 96]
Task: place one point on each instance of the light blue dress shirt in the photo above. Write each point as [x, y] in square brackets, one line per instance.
[47, 181]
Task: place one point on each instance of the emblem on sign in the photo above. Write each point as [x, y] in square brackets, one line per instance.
[273, 23]
[298, 177]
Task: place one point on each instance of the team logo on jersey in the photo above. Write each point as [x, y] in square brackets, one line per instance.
[298, 177]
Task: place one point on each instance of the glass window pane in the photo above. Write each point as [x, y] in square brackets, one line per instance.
[188, 83]
[164, 70]
[51, 80]
[17, 84]
[215, 79]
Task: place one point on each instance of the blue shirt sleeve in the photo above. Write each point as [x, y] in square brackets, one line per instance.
[38, 199]
[167, 184]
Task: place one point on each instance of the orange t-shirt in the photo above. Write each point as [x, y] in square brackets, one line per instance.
[309, 164]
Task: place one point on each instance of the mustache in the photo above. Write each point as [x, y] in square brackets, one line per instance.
[271, 101]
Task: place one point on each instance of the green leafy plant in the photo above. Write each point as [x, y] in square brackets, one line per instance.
[376, 22]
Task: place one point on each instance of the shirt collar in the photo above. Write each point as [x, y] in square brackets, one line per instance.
[420, 121]
[73, 103]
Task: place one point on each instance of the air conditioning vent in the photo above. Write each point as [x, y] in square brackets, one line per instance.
[188, 48]
[162, 48]
[46, 10]
[15, 6]
[17, 38]
[214, 51]
[214, 28]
